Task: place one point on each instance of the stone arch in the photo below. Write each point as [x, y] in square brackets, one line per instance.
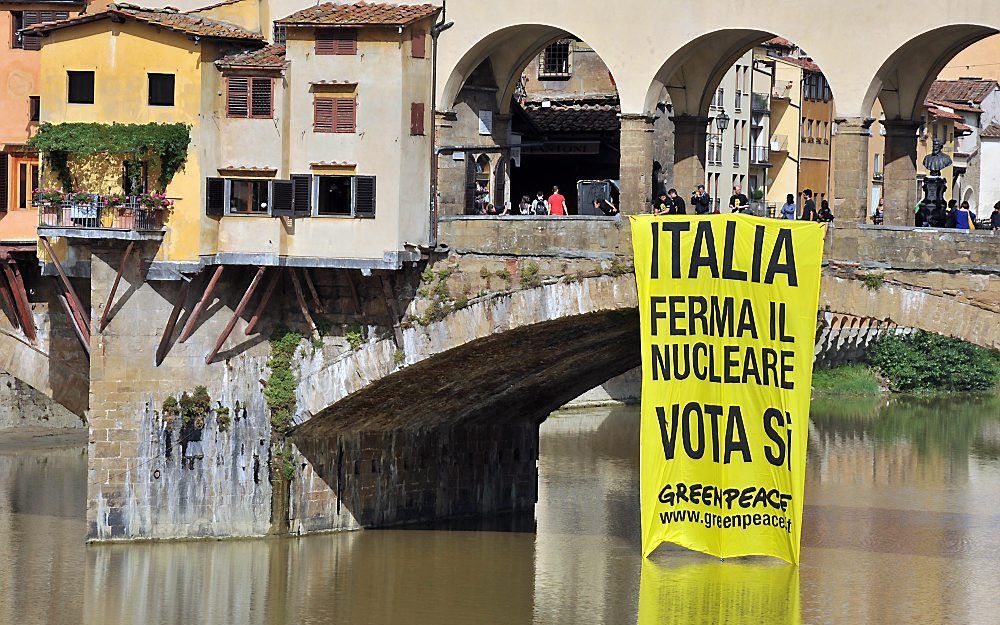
[556, 340]
[34, 366]
[509, 50]
[902, 82]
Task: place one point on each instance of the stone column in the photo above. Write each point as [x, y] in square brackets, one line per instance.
[850, 168]
[900, 180]
[636, 167]
[690, 136]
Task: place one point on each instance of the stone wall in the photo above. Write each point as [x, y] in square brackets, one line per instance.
[22, 406]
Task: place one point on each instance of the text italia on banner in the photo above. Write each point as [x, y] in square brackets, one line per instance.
[727, 307]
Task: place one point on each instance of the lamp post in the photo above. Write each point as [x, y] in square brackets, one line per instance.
[722, 121]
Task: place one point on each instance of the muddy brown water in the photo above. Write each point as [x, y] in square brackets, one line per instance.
[902, 525]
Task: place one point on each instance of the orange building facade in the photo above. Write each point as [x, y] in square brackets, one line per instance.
[20, 104]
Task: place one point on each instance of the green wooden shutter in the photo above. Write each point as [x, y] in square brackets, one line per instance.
[364, 197]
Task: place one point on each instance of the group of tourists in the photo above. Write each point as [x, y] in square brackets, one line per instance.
[669, 203]
[957, 216]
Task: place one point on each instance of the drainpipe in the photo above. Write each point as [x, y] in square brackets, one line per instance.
[436, 31]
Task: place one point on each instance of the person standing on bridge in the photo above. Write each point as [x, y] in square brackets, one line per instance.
[701, 202]
[557, 203]
[995, 218]
[964, 219]
[662, 205]
[809, 207]
[677, 205]
[788, 209]
[739, 202]
[539, 206]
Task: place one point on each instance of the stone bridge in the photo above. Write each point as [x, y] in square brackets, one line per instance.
[420, 394]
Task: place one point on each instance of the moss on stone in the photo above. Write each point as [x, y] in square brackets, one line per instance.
[279, 390]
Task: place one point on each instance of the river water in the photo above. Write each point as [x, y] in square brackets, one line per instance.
[902, 525]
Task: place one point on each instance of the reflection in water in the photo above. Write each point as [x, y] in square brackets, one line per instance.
[900, 526]
[747, 591]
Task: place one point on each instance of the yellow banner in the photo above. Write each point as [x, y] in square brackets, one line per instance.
[727, 305]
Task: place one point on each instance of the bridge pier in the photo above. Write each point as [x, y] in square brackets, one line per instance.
[689, 153]
[850, 168]
[636, 165]
[900, 171]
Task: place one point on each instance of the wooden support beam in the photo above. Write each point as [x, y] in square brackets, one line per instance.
[9, 309]
[23, 308]
[317, 302]
[199, 308]
[114, 287]
[82, 318]
[83, 337]
[390, 304]
[236, 315]
[175, 313]
[354, 291]
[313, 330]
[268, 291]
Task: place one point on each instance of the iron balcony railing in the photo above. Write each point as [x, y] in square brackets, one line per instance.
[95, 213]
[759, 154]
[779, 143]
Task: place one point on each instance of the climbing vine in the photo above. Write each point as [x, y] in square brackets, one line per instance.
[167, 142]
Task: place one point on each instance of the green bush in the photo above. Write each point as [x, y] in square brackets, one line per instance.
[930, 362]
[279, 390]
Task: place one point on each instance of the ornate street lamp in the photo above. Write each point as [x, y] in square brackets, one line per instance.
[722, 121]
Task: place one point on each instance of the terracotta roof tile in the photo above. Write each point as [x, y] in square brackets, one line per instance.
[169, 19]
[595, 115]
[964, 90]
[779, 42]
[942, 114]
[268, 57]
[991, 132]
[360, 14]
[806, 64]
[955, 106]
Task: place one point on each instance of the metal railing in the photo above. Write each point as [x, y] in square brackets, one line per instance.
[782, 90]
[759, 154]
[779, 143]
[96, 214]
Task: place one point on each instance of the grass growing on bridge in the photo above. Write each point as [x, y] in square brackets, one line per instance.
[856, 380]
[279, 390]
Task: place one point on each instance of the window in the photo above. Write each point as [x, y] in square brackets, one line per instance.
[34, 107]
[485, 122]
[135, 177]
[342, 41]
[555, 60]
[280, 35]
[81, 87]
[418, 43]
[161, 89]
[17, 18]
[345, 196]
[248, 196]
[335, 115]
[417, 118]
[249, 97]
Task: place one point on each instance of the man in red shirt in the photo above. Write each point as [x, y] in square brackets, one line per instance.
[557, 203]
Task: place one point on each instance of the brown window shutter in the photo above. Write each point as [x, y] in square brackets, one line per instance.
[323, 114]
[31, 42]
[364, 197]
[4, 182]
[417, 118]
[336, 41]
[347, 41]
[346, 115]
[418, 43]
[215, 200]
[261, 97]
[237, 100]
[302, 195]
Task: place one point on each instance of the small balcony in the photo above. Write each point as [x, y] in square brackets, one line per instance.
[91, 216]
[782, 90]
[759, 155]
[779, 143]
